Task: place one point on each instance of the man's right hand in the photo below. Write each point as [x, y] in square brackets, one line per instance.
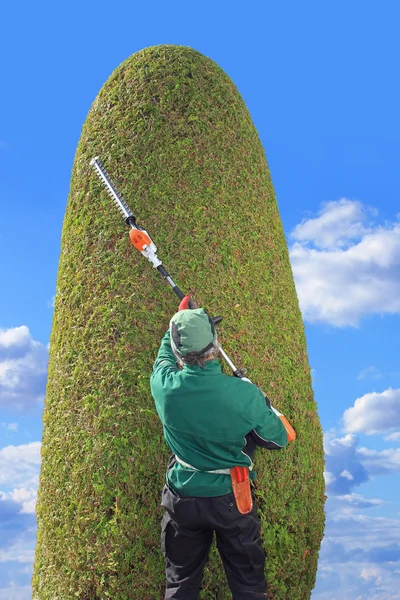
[187, 303]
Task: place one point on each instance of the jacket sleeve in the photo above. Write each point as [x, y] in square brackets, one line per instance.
[270, 432]
[165, 362]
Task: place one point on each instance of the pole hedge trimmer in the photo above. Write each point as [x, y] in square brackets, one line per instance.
[142, 242]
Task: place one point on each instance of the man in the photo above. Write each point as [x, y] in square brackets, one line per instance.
[212, 423]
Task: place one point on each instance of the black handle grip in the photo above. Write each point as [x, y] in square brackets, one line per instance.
[216, 320]
[163, 271]
[178, 292]
[239, 373]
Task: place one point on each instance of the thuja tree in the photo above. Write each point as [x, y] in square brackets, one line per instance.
[173, 131]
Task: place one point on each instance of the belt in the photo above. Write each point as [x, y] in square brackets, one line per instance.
[215, 471]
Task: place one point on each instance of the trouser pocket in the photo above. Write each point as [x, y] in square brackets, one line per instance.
[254, 551]
[164, 524]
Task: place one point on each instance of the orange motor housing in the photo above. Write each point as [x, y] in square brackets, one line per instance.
[139, 239]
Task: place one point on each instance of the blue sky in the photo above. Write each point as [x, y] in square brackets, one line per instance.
[321, 83]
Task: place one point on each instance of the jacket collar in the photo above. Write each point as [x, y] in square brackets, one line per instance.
[211, 367]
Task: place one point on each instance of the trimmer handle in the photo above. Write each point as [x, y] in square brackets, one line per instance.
[241, 374]
[216, 320]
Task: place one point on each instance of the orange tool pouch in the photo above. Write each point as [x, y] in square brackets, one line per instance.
[241, 489]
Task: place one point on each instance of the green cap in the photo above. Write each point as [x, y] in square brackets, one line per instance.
[192, 330]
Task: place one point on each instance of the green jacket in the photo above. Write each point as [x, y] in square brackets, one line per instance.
[206, 416]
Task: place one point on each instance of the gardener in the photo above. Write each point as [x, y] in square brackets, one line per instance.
[212, 423]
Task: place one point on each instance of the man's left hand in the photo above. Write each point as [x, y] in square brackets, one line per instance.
[187, 303]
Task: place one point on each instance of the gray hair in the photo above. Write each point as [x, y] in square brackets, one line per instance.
[194, 358]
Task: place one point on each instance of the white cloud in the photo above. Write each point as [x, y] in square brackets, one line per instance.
[27, 497]
[23, 369]
[381, 462]
[22, 549]
[344, 470]
[349, 503]
[374, 413]
[338, 223]
[355, 581]
[16, 592]
[370, 373]
[355, 531]
[329, 478]
[360, 554]
[359, 559]
[19, 473]
[20, 465]
[344, 266]
[10, 426]
[16, 563]
[393, 437]
[370, 572]
[347, 466]
[338, 446]
[17, 533]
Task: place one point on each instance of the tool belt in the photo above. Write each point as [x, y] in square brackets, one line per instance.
[240, 484]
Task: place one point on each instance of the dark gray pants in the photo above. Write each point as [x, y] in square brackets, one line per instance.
[186, 535]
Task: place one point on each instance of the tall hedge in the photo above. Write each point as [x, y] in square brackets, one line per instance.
[178, 140]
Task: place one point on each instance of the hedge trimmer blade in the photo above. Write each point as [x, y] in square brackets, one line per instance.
[139, 236]
[111, 189]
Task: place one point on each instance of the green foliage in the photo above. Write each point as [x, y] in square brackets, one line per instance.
[177, 138]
